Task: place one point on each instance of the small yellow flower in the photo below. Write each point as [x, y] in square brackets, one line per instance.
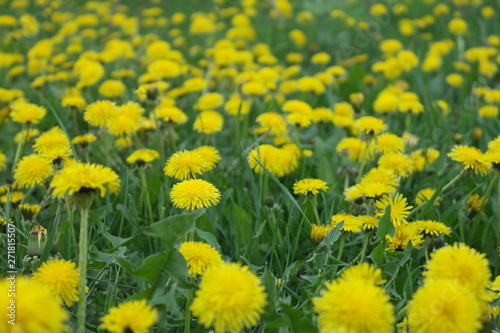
[199, 256]
[142, 156]
[27, 113]
[131, 316]
[309, 186]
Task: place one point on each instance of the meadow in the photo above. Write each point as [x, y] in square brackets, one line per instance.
[249, 166]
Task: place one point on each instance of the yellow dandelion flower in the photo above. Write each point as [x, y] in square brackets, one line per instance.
[134, 316]
[389, 143]
[309, 186]
[355, 306]
[111, 88]
[61, 278]
[73, 99]
[353, 147]
[52, 141]
[142, 156]
[27, 113]
[399, 208]
[14, 198]
[100, 113]
[185, 164]
[210, 101]
[199, 257]
[193, 194]
[425, 194]
[32, 170]
[230, 298]
[236, 105]
[29, 210]
[375, 190]
[271, 122]
[369, 222]
[471, 157]
[210, 155]
[319, 232]
[454, 309]
[370, 125]
[267, 155]
[84, 178]
[364, 272]
[475, 202]
[26, 135]
[432, 228]
[463, 264]
[351, 222]
[171, 114]
[299, 119]
[353, 193]
[209, 122]
[84, 140]
[405, 233]
[50, 317]
[381, 175]
[400, 164]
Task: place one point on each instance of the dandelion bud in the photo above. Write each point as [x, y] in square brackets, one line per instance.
[36, 240]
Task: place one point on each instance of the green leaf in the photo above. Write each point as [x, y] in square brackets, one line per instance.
[176, 266]
[385, 226]
[150, 267]
[172, 228]
[378, 253]
[209, 238]
[269, 282]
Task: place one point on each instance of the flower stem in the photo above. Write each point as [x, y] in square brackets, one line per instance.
[498, 228]
[365, 245]
[363, 161]
[148, 200]
[341, 250]
[187, 314]
[82, 266]
[314, 202]
[20, 146]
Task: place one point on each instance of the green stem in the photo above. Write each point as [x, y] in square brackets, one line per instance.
[341, 250]
[498, 227]
[20, 146]
[148, 200]
[314, 203]
[187, 314]
[263, 188]
[365, 245]
[363, 161]
[82, 266]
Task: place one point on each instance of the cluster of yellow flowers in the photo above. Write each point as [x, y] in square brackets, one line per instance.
[357, 114]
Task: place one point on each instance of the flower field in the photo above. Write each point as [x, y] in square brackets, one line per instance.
[249, 166]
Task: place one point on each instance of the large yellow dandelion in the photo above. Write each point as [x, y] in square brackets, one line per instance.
[84, 178]
[354, 305]
[193, 194]
[49, 316]
[444, 306]
[230, 298]
[185, 164]
[61, 278]
[463, 264]
[27, 113]
[32, 170]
